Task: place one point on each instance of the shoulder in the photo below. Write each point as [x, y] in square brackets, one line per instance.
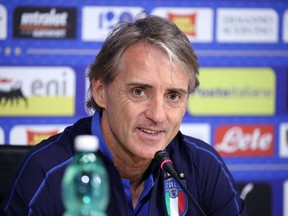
[196, 147]
[42, 168]
[196, 154]
[53, 153]
[207, 173]
[56, 150]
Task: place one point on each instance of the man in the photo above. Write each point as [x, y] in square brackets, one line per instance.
[139, 86]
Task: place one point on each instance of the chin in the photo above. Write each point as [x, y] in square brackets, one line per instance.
[147, 154]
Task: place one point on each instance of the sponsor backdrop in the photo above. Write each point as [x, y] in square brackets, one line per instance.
[241, 107]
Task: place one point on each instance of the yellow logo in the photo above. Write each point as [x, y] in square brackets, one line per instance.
[37, 91]
[234, 91]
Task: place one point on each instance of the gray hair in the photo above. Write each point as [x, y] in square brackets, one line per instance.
[156, 31]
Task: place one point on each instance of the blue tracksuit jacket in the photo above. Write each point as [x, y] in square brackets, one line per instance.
[36, 189]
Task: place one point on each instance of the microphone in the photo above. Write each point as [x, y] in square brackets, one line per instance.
[163, 159]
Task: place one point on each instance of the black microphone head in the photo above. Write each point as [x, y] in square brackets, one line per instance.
[161, 156]
[163, 159]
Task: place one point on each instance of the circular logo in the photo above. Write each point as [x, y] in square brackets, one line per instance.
[173, 192]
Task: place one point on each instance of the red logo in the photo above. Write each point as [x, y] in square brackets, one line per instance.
[245, 140]
[35, 137]
[187, 23]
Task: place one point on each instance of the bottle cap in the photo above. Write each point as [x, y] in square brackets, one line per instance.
[86, 143]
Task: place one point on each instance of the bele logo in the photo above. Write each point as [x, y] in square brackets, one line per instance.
[56, 23]
[184, 22]
[196, 23]
[245, 140]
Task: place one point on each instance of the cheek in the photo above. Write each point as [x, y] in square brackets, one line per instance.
[178, 112]
[175, 117]
[120, 109]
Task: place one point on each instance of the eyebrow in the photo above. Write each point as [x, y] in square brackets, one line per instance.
[144, 85]
[139, 84]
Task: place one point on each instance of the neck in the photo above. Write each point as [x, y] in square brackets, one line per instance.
[134, 170]
[130, 167]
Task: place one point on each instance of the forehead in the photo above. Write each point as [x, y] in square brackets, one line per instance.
[146, 63]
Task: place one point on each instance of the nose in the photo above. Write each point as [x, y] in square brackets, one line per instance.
[156, 110]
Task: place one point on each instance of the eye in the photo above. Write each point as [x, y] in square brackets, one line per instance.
[174, 97]
[137, 92]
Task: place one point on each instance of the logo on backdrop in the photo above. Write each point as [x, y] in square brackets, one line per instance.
[285, 27]
[255, 195]
[97, 22]
[245, 140]
[3, 22]
[187, 23]
[243, 25]
[33, 134]
[14, 95]
[200, 131]
[44, 22]
[37, 91]
[283, 148]
[285, 200]
[2, 136]
[244, 91]
[196, 23]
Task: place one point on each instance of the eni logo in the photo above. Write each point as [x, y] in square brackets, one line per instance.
[37, 91]
[12, 96]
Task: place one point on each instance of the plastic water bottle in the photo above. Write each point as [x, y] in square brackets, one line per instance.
[85, 186]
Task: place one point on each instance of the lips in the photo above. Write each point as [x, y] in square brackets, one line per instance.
[152, 132]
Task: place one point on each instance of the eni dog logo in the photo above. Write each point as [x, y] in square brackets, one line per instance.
[13, 95]
[37, 91]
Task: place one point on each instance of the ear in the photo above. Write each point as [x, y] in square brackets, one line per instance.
[98, 92]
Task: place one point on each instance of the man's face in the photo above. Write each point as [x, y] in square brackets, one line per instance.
[144, 105]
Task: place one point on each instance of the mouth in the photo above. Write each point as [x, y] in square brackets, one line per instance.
[150, 132]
